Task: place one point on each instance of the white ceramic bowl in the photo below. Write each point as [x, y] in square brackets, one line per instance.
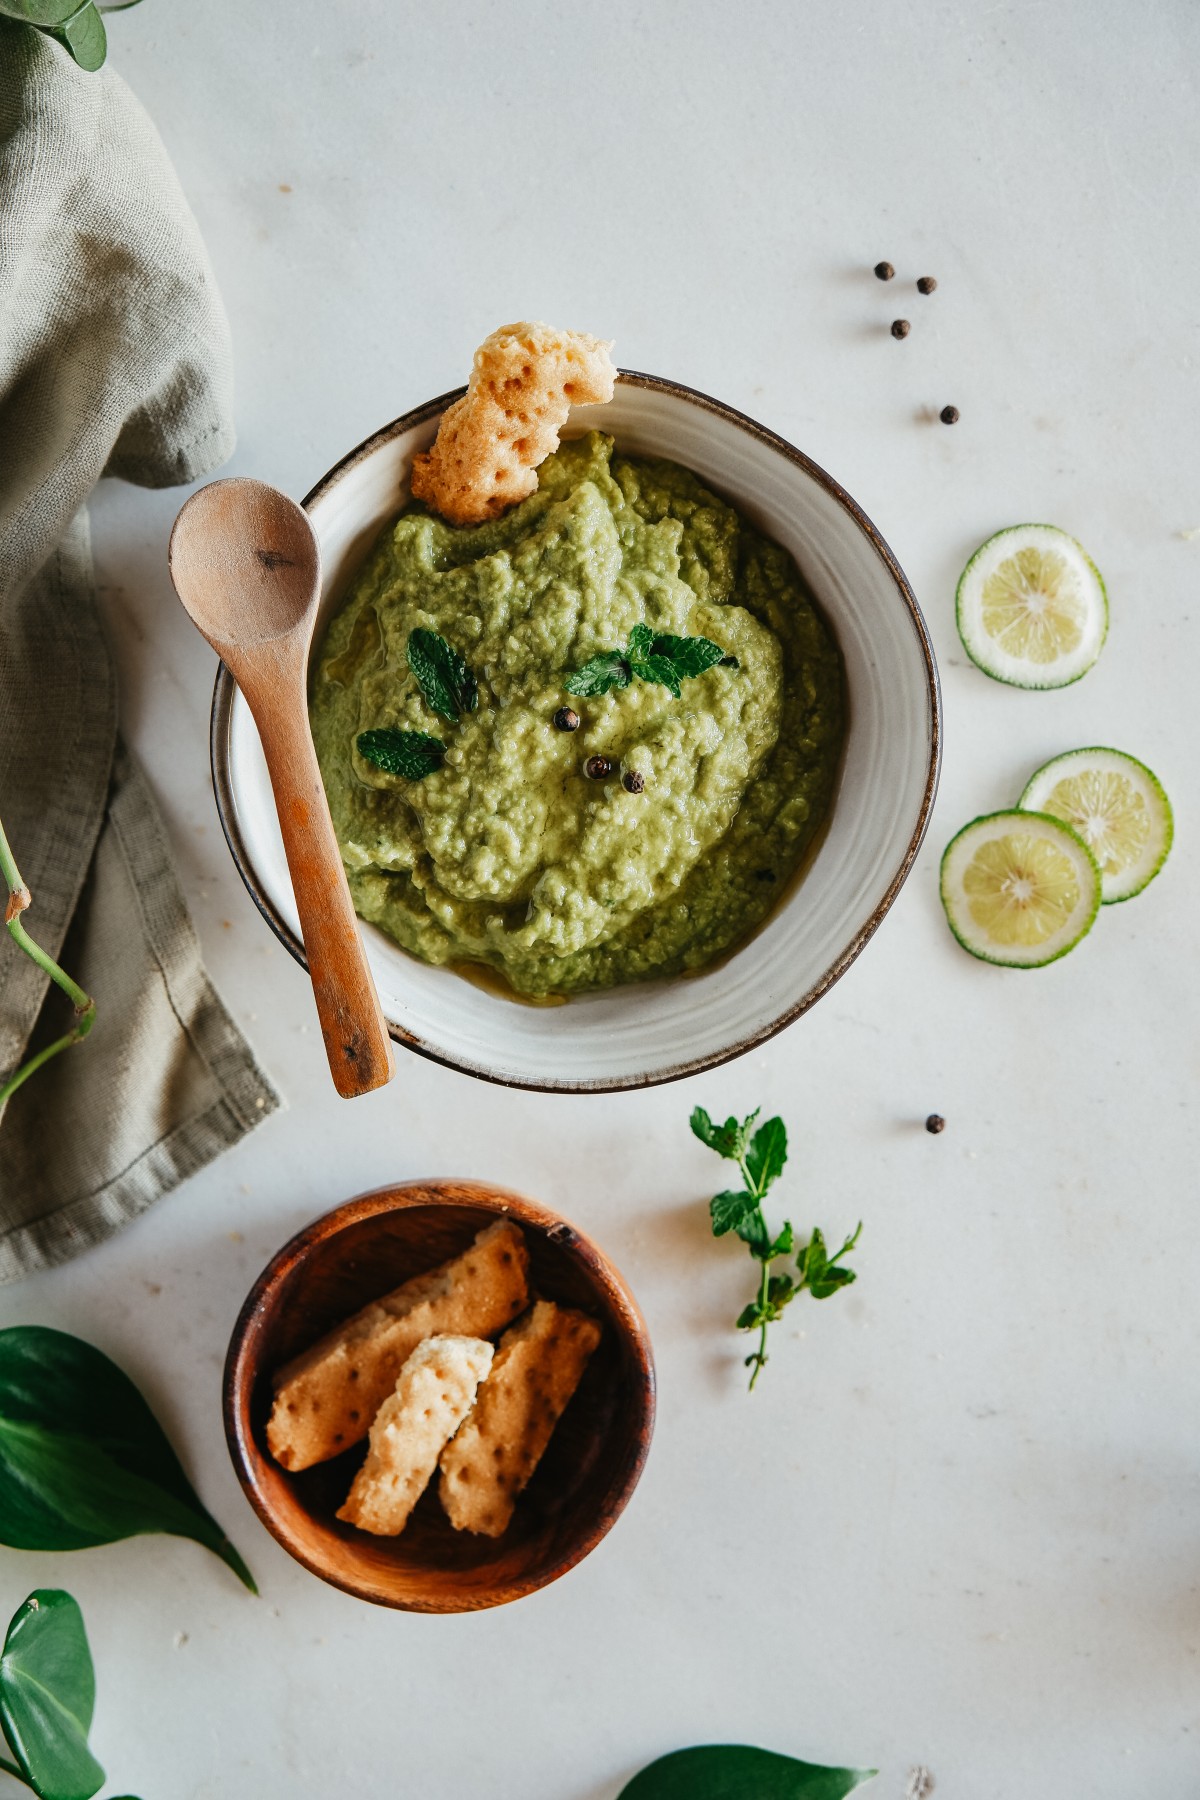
[653, 1031]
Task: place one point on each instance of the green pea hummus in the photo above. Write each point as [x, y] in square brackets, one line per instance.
[509, 856]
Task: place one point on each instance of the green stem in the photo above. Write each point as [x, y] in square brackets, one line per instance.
[759, 1358]
[12, 1769]
[19, 898]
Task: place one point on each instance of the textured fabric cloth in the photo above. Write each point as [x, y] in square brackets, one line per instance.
[114, 359]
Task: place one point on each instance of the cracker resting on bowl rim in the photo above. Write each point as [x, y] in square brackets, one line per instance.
[525, 380]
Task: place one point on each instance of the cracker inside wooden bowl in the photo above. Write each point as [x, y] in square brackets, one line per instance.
[367, 1248]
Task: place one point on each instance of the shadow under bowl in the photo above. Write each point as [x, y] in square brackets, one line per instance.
[362, 1250]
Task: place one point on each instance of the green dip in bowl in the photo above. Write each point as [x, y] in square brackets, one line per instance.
[508, 856]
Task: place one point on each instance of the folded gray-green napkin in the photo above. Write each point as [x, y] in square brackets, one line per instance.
[114, 359]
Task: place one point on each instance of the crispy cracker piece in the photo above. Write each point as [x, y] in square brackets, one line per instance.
[538, 1366]
[326, 1399]
[433, 1396]
[525, 379]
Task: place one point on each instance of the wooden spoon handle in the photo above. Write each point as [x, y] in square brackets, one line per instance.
[352, 1023]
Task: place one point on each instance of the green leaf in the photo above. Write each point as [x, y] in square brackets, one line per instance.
[84, 36]
[783, 1244]
[640, 640]
[409, 754]
[83, 1460]
[767, 1154]
[753, 1231]
[724, 1139]
[48, 1695]
[751, 1317]
[780, 1289]
[830, 1281]
[728, 1210]
[690, 655]
[738, 1772]
[43, 13]
[443, 677]
[657, 669]
[608, 670]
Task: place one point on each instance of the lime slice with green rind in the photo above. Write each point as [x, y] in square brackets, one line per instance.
[1117, 806]
[1032, 608]
[1019, 888]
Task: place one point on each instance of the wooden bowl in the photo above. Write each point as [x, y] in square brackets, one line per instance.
[362, 1250]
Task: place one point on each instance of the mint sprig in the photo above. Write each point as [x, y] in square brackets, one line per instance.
[409, 754]
[656, 657]
[445, 681]
[760, 1159]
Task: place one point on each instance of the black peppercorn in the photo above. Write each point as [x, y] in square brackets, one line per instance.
[949, 415]
[935, 1123]
[926, 284]
[884, 271]
[566, 720]
[900, 328]
[598, 768]
[632, 782]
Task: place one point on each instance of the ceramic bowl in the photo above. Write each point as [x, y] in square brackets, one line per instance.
[653, 1031]
[591, 1466]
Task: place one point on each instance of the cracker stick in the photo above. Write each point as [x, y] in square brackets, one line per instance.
[538, 1367]
[432, 1398]
[326, 1398]
[524, 382]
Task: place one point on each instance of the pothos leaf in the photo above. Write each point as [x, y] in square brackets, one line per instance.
[44, 13]
[409, 754]
[84, 36]
[739, 1772]
[443, 677]
[83, 1460]
[47, 1697]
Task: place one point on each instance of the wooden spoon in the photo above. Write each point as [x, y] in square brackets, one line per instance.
[246, 565]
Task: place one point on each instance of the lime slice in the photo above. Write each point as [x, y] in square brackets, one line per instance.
[1117, 806]
[1032, 609]
[1019, 888]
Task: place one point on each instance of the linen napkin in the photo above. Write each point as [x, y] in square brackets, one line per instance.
[114, 359]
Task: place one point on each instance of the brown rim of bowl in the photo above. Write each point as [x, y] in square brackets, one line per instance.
[222, 702]
[238, 1378]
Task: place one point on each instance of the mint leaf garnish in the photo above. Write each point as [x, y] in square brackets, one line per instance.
[662, 658]
[448, 686]
[760, 1158]
[410, 754]
[597, 676]
[690, 655]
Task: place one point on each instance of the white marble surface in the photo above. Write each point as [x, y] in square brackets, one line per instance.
[959, 1522]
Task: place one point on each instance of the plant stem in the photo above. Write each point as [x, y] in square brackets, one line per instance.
[12, 1769]
[759, 1358]
[19, 899]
